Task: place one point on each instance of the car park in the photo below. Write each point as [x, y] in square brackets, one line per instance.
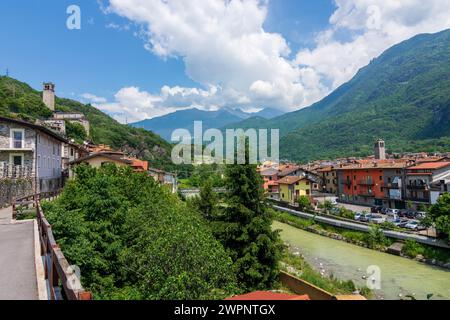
[383, 210]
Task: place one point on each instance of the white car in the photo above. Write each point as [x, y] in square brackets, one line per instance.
[392, 212]
[414, 225]
[376, 218]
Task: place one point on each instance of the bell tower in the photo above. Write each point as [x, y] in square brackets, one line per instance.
[48, 96]
[380, 150]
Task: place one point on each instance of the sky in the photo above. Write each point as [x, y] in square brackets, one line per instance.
[137, 59]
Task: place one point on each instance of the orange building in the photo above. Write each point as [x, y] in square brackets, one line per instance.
[364, 182]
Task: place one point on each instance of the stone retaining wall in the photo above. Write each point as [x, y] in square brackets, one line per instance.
[14, 188]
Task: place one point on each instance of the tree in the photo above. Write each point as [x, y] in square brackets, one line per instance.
[439, 214]
[207, 202]
[304, 203]
[245, 229]
[133, 239]
[76, 131]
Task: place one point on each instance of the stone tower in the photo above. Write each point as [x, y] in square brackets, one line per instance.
[48, 96]
[380, 150]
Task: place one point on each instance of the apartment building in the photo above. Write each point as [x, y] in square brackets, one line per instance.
[29, 150]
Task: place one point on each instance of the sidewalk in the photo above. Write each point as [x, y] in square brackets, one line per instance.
[17, 262]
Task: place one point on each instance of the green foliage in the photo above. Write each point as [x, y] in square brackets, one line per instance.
[375, 238]
[76, 131]
[412, 249]
[245, 229]
[207, 202]
[346, 213]
[133, 239]
[439, 214]
[304, 203]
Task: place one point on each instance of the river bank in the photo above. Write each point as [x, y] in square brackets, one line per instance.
[372, 240]
[400, 277]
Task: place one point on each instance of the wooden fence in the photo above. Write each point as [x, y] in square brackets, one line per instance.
[62, 281]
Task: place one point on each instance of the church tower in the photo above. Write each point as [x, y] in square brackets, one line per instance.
[380, 150]
[48, 96]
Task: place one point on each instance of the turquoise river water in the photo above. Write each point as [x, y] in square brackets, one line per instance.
[399, 276]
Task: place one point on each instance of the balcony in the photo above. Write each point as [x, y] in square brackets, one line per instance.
[366, 194]
[15, 172]
[366, 182]
[417, 187]
[391, 186]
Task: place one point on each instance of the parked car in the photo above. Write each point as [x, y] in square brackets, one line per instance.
[411, 214]
[376, 218]
[400, 222]
[358, 216]
[392, 212]
[376, 209]
[384, 210]
[414, 225]
[403, 213]
[421, 215]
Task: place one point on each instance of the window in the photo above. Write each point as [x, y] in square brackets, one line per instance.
[16, 159]
[307, 192]
[381, 178]
[17, 138]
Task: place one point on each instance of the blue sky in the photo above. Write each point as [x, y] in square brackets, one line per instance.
[38, 47]
[285, 54]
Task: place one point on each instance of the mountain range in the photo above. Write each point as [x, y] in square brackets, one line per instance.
[184, 119]
[403, 96]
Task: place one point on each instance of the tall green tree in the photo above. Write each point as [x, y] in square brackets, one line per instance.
[245, 229]
[206, 203]
[439, 214]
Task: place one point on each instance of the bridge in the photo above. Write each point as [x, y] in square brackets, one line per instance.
[32, 266]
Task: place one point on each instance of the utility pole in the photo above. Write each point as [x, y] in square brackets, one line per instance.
[7, 72]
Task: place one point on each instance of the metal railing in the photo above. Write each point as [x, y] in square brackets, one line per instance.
[8, 171]
[62, 281]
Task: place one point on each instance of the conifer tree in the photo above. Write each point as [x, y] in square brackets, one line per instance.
[245, 229]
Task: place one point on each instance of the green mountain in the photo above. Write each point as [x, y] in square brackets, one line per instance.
[19, 100]
[403, 96]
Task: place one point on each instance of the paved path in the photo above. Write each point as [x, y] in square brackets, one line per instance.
[17, 264]
[365, 228]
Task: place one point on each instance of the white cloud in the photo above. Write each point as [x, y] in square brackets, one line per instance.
[92, 98]
[224, 46]
[373, 27]
[227, 51]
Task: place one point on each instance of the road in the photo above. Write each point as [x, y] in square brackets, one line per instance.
[17, 264]
[365, 228]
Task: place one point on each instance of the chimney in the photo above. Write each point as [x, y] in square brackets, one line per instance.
[48, 95]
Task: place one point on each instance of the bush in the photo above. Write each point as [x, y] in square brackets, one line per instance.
[412, 249]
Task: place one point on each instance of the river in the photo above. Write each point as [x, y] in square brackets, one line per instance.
[399, 276]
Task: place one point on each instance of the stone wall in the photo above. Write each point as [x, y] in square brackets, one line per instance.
[14, 188]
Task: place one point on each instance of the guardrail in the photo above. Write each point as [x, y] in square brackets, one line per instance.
[62, 281]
